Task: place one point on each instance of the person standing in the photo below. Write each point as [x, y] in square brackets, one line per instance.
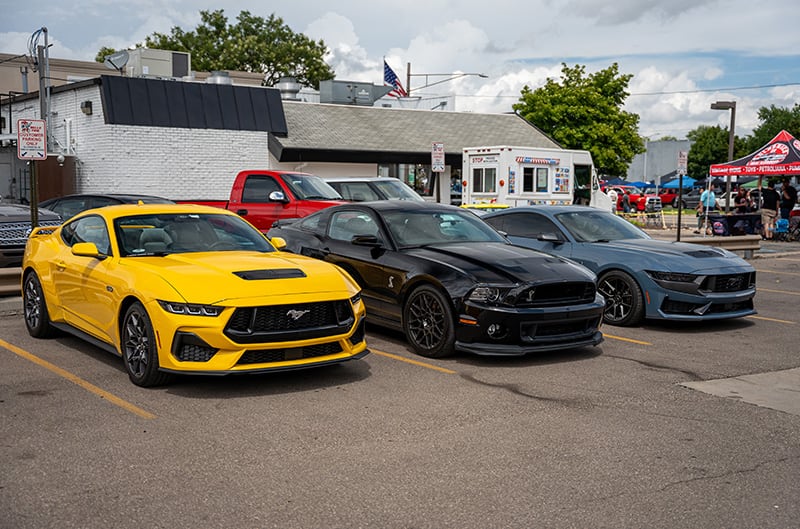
[626, 202]
[612, 194]
[769, 210]
[707, 204]
[788, 199]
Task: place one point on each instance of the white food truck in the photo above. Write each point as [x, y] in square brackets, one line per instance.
[528, 175]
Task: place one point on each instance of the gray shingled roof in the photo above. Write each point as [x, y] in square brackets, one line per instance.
[325, 132]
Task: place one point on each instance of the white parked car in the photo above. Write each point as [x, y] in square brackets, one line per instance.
[369, 188]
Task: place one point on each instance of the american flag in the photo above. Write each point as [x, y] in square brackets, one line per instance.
[390, 79]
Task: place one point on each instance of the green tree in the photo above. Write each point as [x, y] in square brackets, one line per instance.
[252, 44]
[710, 146]
[773, 120]
[582, 111]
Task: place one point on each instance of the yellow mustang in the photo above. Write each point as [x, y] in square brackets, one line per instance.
[188, 289]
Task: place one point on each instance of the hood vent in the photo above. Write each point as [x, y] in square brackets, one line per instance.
[288, 273]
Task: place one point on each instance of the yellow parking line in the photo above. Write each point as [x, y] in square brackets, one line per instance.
[103, 394]
[414, 362]
[771, 319]
[778, 291]
[620, 338]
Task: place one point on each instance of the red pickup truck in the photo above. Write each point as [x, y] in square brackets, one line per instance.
[262, 197]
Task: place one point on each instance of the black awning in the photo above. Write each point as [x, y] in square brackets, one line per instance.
[164, 103]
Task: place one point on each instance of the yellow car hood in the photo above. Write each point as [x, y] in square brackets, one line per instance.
[249, 278]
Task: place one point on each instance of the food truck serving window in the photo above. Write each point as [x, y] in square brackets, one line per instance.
[534, 179]
[483, 179]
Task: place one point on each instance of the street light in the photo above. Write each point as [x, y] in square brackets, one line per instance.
[728, 105]
[450, 76]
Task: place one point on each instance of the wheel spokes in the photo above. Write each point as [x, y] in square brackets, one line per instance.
[426, 323]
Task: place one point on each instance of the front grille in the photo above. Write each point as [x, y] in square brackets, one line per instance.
[557, 294]
[266, 356]
[729, 282]
[696, 309]
[16, 233]
[557, 331]
[276, 323]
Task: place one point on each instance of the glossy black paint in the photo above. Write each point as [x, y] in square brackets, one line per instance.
[388, 271]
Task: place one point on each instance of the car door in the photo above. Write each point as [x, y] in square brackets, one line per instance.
[256, 206]
[374, 266]
[85, 285]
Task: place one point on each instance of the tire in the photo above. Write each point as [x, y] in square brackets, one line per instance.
[139, 352]
[37, 320]
[428, 323]
[624, 300]
[675, 203]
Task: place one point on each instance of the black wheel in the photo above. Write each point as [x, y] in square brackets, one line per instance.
[35, 308]
[624, 301]
[139, 350]
[428, 323]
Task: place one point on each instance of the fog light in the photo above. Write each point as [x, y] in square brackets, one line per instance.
[496, 331]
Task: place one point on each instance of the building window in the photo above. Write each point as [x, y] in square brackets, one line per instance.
[483, 180]
[534, 179]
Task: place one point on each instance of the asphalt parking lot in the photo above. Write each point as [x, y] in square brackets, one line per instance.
[664, 425]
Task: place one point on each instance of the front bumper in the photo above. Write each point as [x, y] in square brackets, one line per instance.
[510, 331]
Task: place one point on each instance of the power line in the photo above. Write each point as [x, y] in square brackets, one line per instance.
[695, 91]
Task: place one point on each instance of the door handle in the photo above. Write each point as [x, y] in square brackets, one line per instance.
[241, 212]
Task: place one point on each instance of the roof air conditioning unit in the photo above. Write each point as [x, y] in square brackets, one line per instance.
[146, 62]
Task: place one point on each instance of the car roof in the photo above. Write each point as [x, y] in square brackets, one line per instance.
[123, 197]
[398, 205]
[547, 209]
[360, 179]
[124, 210]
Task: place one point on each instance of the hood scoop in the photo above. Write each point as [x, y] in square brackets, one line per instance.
[284, 273]
[709, 252]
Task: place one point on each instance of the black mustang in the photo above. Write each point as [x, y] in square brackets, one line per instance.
[450, 281]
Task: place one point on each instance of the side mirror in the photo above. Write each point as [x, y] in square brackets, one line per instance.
[366, 240]
[87, 249]
[278, 196]
[278, 242]
[550, 237]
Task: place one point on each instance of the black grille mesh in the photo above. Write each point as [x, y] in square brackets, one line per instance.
[556, 294]
[265, 356]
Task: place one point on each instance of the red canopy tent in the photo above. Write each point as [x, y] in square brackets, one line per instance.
[781, 156]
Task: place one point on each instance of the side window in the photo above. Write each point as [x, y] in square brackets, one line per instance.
[529, 225]
[88, 229]
[357, 191]
[258, 188]
[344, 225]
[483, 180]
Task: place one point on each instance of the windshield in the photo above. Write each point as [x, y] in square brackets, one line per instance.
[310, 187]
[162, 234]
[594, 225]
[397, 190]
[419, 228]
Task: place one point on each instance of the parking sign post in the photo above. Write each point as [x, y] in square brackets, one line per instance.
[32, 146]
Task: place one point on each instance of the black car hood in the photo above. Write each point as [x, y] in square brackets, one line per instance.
[20, 213]
[500, 262]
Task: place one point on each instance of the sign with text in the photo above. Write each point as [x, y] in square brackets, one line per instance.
[437, 157]
[683, 158]
[31, 139]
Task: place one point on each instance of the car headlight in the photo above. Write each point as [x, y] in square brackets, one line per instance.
[674, 277]
[190, 309]
[488, 294]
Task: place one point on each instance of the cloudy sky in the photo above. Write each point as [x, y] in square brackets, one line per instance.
[683, 54]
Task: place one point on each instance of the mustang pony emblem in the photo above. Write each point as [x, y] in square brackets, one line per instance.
[297, 314]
